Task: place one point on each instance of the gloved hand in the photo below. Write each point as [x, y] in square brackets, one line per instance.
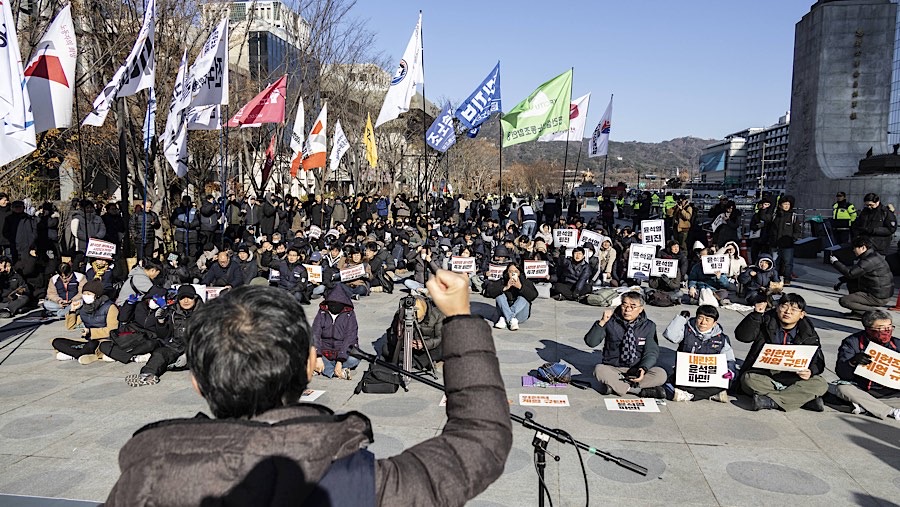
[132, 299]
[861, 359]
[686, 314]
[160, 301]
[728, 375]
[633, 372]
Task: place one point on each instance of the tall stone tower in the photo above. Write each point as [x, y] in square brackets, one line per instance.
[840, 100]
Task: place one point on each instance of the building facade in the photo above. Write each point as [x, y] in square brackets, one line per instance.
[894, 116]
[767, 150]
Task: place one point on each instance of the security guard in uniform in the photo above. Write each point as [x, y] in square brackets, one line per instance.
[620, 205]
[842, 218]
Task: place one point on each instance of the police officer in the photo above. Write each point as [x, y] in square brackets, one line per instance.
[842, 218]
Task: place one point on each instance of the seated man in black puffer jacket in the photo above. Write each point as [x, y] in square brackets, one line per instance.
[574, 276]
[870, 282]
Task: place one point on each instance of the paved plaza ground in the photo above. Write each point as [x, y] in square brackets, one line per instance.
[62, 424]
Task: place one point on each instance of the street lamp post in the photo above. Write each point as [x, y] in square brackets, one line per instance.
[762, 169]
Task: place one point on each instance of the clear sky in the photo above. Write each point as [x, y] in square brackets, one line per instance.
[702, 68]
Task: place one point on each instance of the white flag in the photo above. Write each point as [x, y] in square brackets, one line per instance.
[403, 85]
[172, 135]
[138, 72]
[50, 75]
[578, 111]
[208, 81]
[150, 121]
[16, 120]
[339, 146]
[316, 143]
[297, 138]
[599, 145]
[204, 117]
[176, 151]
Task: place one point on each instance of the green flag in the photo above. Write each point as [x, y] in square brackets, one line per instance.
[546, 110]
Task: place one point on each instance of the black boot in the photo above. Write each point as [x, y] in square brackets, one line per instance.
[762, 402]
[816, 404]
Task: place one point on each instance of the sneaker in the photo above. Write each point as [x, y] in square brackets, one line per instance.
[64, 357]
[377, 288]
[895, 414]
[682, 395]
[142, 379]
[816, 404]
[5, 313]
[181, 362]
[653, 392]
[345, 374]
[141, 358]
[722, 397]
[857, 409]
[513, 324]
[763, 403]
[501, 324]
[354, 297]
[105, 358]
[88, 358]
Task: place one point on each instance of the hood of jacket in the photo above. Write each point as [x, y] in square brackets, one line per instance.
[337, 295]
[767, 258]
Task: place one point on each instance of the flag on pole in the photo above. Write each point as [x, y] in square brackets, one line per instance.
[270, 162]
[483, 102]
[150, 121]
[16, 121]
[339, 146]
[138, 72]
[50, 75]
[578, 111]
[297, 139]
[545, 110]
[204, 117]
[441, 135]
[409, 74]
[599, 145]
[209, 74]
[174, 136]
[369, 141]
[176, 152]
[316, 147]
[266, 107]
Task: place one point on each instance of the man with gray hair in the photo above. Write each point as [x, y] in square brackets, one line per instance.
[865, 395]
[630, 350]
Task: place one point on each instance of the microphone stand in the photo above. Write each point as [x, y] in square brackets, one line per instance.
[542, 434]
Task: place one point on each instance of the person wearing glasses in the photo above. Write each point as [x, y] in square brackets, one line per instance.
[786, 324]
[630, 350]
[869, 280]
[864, 394]
[877, 222]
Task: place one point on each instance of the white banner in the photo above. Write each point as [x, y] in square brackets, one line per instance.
[701, 370]
[536, 269]
[884, 368]
[495, 272]
[408, 75]
[352, 273]
[314, 232]
[653, 232]
[314, 273]
[594, 238]
[213, 292]
[100, 249]
[713, 264]
[204, 118]
[640, 260]
[339, 145]
[209, 74]
[565, 237]
[664, 267]
[543, 400]
[462, 264]
[785, 357]
[632, 405]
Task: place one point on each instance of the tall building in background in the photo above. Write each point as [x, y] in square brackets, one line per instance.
[894, 116]
[840, 100]
[767, 150]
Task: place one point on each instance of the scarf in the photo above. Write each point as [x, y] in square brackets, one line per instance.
[629, 345]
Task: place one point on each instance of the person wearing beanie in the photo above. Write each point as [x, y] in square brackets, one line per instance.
[99, 316]
[785, 230]
[759, 228]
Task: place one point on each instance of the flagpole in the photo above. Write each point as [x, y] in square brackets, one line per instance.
[501, 156]
[424, 122]
[605, 161]
[566, 155]
[578, 160]
[146, 177]
[80, 147]
[123, 163]
[224, 170]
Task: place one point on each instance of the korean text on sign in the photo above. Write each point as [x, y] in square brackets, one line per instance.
[314, 273]
[785, 357]
[640, 260]
[100, 249]
[353, 273]
[713, 264]
[653, 233]
[884, 368]
[536, 269]
[462, 264]
[495, 271]
[631, 405]
[664, 267]
[544, 400]
[565, 237]
[701, 370]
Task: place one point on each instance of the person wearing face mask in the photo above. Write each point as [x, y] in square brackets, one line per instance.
[335, 331]
[630, 350]
[864, 394]
[700, 335]
[786, 324]
[98, 315]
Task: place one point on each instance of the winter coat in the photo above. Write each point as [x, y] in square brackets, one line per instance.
[870, 274]
[320, 215]
[494, 288]
[252, 214]
[736, 263]
[292, 277]
[186, 223]
[612, 335]
[339, 213]
[684, 218]
[267, 220]
[137, 283]
[728, 231]
[684, 333]
[84, 227]
[249, 268]
[171, 325]
[763, 276]
[218, 276]
[697, 279]
[761, 221]
[209, 216]
[785, 229]
[334, 335]
[5, 211]
[762, 328]
[59, 291]
[116, 228]
[576, 274]
[852, 345]
[879, 224]
[431, 326]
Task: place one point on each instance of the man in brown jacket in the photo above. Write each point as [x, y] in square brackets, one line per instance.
[262, 449]
[683, 216]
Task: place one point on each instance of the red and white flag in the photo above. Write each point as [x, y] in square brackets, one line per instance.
[578, 111]
[50, 75]
[314, 153]
[267, 107]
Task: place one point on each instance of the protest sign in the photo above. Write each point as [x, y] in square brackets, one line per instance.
[314, 232]
[314, 273]
[701, 370]
[495, 271]
[653, 233]
[664, 267]
[213, 292]
[594, 238]
[543, 400]
[310, 395]
[536, 269]
[785, 357]
[353, 273]
[632, 405]
[99, 249]
[713, 264]
[462, 264]
[719, 220]
[565, 237]
[640, 260]
[274, 275]
[884, 368]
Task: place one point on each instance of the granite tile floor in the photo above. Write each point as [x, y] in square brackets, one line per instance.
[62, 424]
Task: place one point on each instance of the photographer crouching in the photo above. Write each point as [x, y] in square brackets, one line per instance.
[265, 449]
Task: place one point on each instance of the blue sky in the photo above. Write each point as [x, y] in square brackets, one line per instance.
[701, 68]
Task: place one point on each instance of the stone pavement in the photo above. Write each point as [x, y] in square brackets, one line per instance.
[62, 424]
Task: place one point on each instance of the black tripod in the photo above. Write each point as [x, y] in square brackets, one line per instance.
[412, 332]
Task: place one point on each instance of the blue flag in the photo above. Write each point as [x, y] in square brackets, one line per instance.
[484, 101]
[440, 134]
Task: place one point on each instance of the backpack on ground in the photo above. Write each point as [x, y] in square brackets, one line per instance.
[380, 379]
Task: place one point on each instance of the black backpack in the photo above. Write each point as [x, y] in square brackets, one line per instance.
[380, 379]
